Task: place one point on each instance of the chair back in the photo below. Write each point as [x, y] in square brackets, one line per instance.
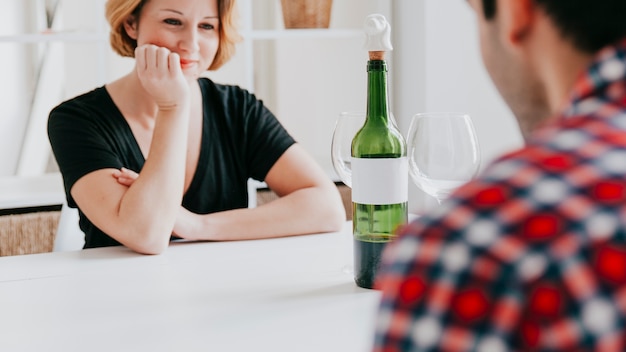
[69, 236]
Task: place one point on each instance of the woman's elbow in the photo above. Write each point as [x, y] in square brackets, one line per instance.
[149, 243]
[149, 250]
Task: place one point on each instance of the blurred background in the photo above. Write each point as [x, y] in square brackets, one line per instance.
[52, 50]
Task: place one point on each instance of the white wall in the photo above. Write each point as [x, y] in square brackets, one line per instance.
[456, 78]
[15, 89]
[37, 76]
[435, 65]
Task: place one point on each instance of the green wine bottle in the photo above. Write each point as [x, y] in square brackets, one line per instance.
[379, 176]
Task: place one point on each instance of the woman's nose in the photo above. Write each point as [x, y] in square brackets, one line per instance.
[189, 40]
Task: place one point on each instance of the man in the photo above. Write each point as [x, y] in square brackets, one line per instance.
[532, 254]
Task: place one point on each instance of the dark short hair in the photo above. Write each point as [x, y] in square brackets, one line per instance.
[590, 25]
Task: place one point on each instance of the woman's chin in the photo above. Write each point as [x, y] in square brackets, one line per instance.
[191, 76]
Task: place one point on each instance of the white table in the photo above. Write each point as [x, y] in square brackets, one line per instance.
[289, 294]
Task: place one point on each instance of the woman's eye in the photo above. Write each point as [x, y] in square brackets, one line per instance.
[207, 26]
[172, 21]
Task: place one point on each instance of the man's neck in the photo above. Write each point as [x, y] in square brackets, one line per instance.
[560, 67]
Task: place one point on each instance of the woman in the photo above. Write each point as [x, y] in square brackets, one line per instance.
[133, 151]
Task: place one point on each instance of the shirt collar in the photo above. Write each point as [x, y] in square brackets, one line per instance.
[607, 68]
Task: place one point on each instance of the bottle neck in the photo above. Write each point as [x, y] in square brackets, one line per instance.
[377, 97]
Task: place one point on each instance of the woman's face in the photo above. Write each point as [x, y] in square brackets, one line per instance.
[187, 27]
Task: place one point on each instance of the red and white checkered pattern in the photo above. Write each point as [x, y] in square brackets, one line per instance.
[532, 254]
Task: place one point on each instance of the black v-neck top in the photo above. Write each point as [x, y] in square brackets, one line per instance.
[241, 139]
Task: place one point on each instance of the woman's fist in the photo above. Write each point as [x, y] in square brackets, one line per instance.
[161, 75]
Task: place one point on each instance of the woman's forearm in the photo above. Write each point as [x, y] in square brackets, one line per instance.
[149, 208]
[308, 210]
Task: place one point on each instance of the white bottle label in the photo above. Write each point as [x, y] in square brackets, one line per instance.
[380, 181]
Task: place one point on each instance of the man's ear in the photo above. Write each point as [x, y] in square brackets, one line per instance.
[130, 26]
[516, 18]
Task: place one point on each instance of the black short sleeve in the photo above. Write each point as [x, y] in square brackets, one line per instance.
[241, 139]
[88, 133]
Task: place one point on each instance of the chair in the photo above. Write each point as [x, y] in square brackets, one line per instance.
[69, 236]
[28, 233]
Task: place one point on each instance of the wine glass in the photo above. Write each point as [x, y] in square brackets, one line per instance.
[443, 153]
[348, 124]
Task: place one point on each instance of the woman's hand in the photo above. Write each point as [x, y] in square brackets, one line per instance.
[160, 74]
[125, 176]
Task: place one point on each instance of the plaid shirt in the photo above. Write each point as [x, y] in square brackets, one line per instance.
[532, 254]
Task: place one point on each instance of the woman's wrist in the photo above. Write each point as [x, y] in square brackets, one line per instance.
[191, 226]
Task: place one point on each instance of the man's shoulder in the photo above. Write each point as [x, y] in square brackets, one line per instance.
[512, 201]
[538, 199]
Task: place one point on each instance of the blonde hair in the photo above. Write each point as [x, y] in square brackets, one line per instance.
[118, 11]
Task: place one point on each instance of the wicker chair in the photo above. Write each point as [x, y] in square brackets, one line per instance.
[28, 233]
[40, 230]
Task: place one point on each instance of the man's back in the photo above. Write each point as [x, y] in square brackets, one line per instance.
[532, 254]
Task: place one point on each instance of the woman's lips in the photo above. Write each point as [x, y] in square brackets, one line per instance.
[186, 63]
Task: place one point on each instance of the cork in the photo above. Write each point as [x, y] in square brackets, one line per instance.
[377, 55]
